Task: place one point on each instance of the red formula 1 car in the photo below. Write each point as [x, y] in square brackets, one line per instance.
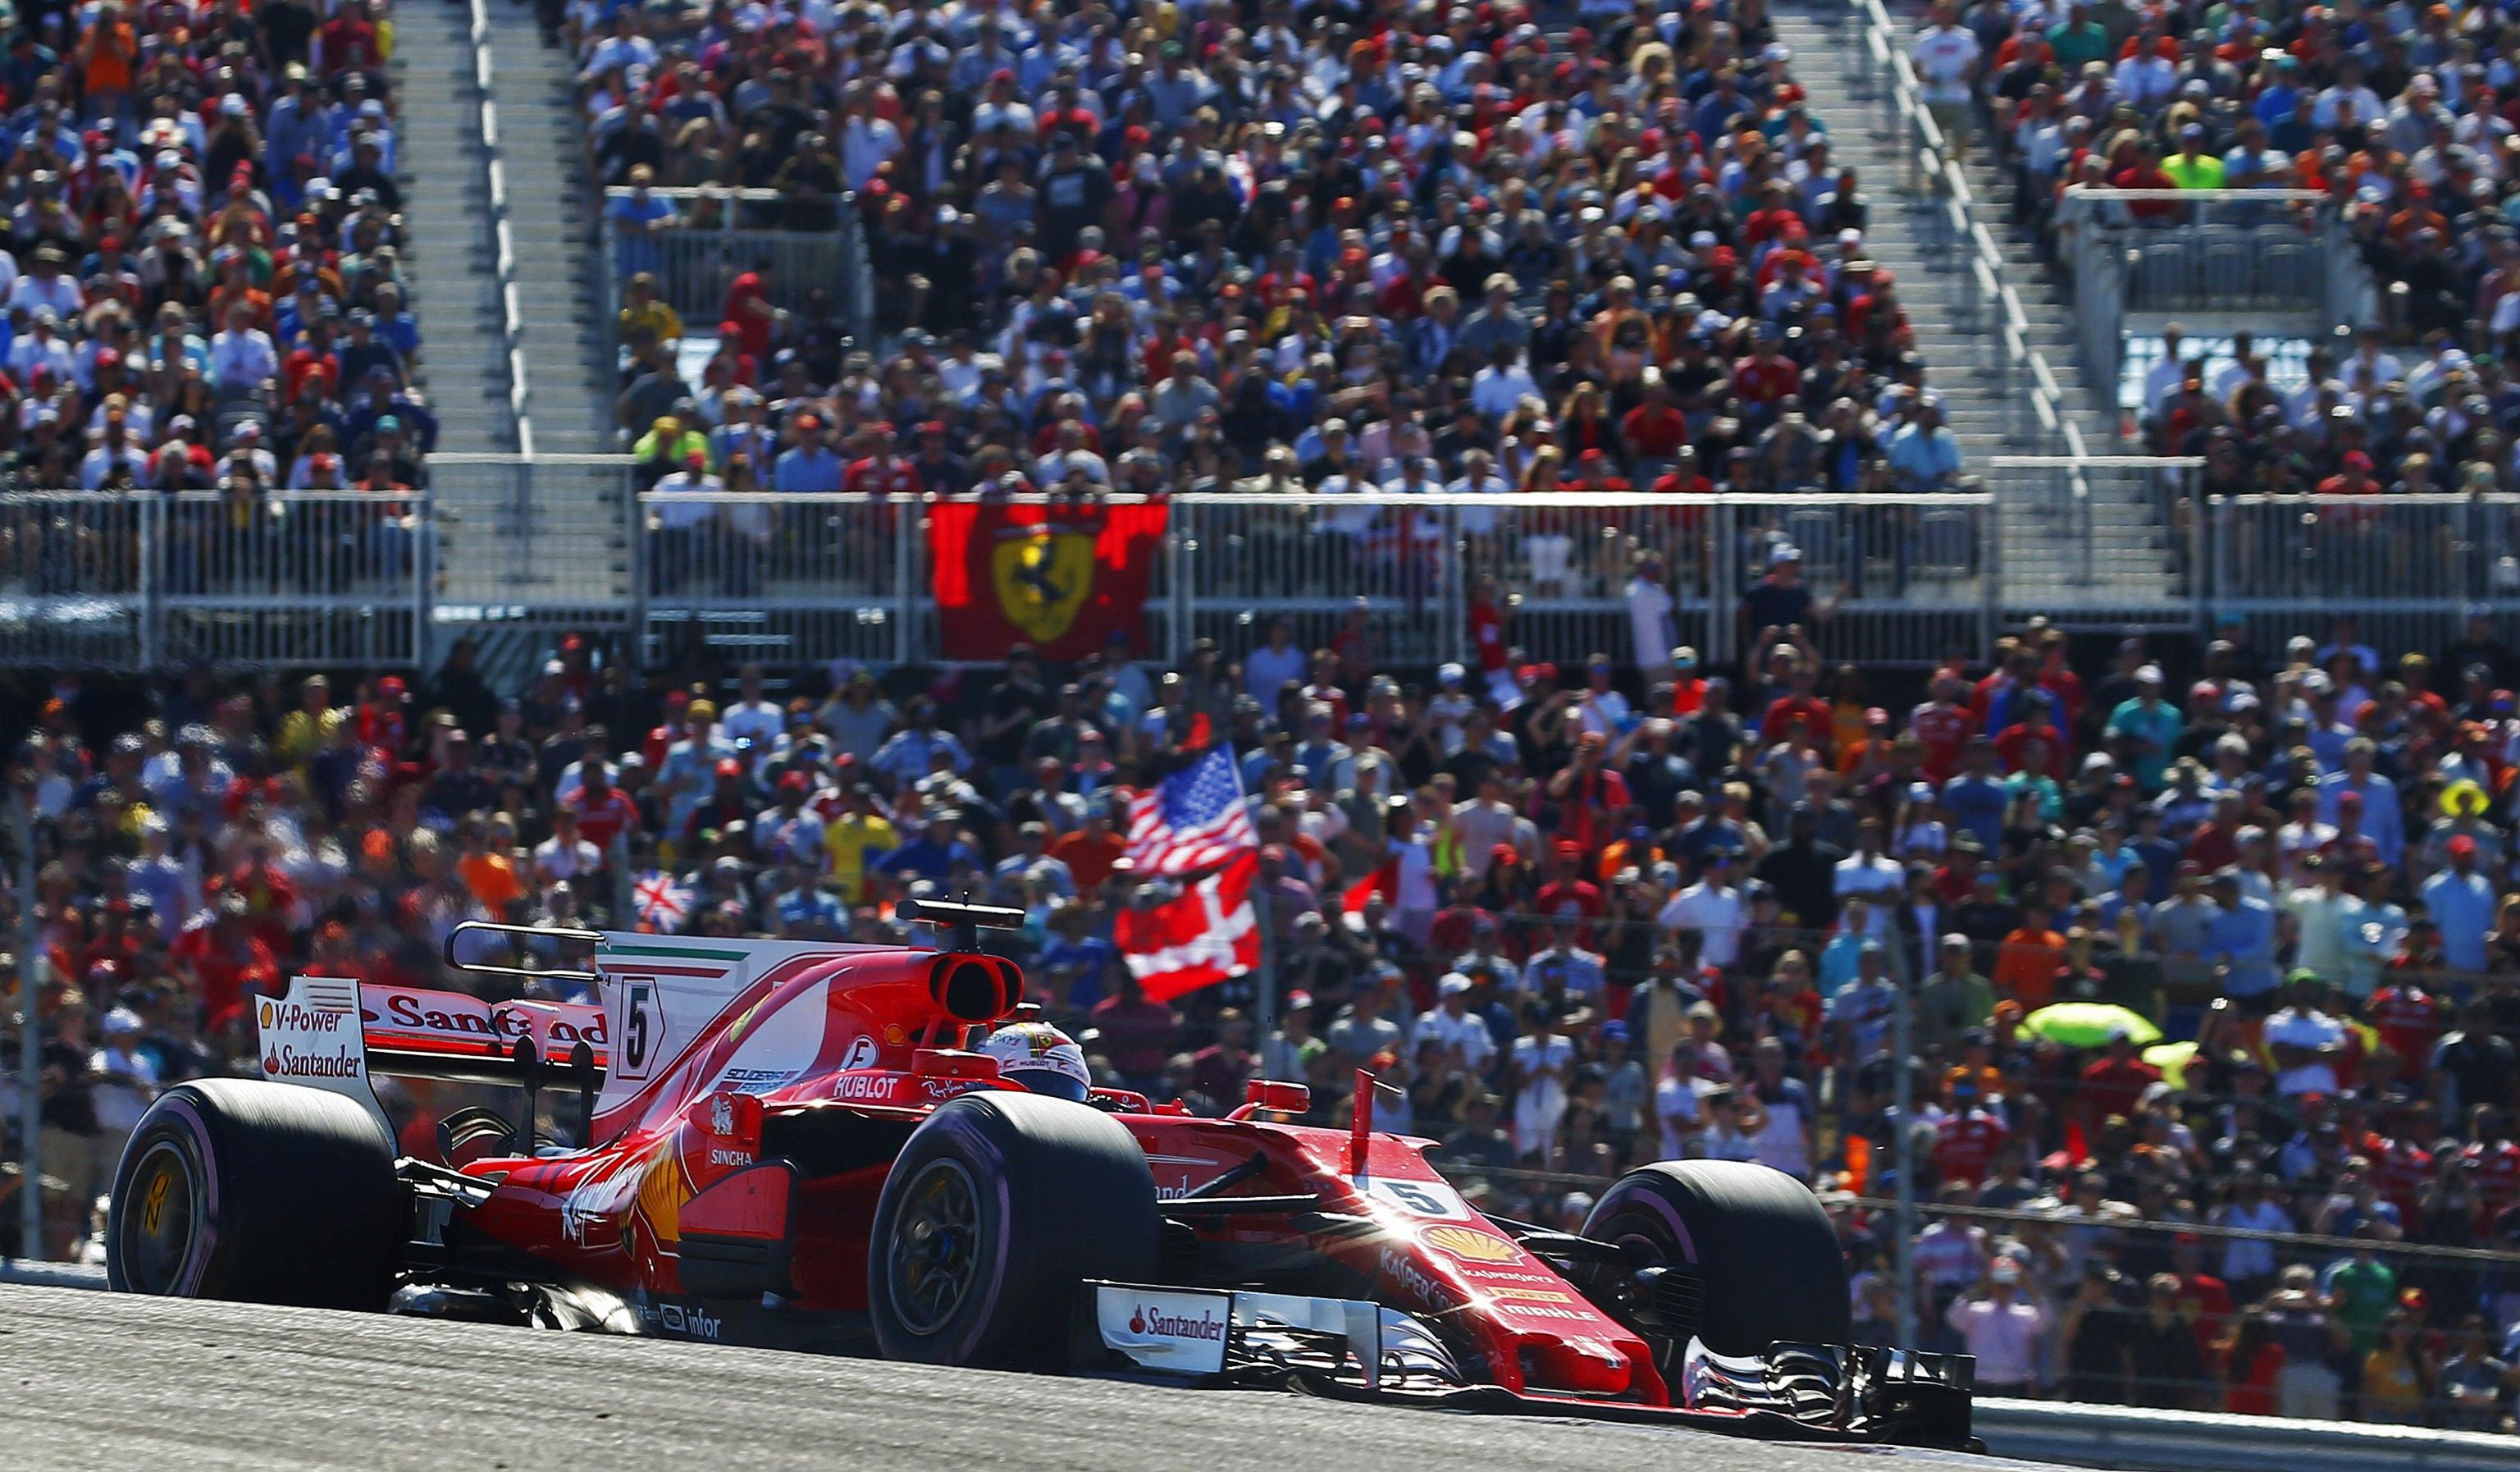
[795, 1144]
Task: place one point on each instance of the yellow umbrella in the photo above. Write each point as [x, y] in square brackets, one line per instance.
[2090, 1025]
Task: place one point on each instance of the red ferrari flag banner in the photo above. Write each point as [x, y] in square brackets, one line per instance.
[1192, 823]
[1058, 578]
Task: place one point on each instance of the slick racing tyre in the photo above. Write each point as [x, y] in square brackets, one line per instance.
[1764, 1257]
[999, 1206]
[258, 1192]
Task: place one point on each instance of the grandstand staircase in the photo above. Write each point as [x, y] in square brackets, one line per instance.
[529, 549]
[2051, 564]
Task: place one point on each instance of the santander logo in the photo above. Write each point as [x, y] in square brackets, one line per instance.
[1146, 1321]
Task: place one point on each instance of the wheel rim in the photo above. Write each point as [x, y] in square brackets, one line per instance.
[935, 1256]
[158, 1231]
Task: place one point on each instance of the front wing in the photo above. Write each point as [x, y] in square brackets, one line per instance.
[1351, 1349]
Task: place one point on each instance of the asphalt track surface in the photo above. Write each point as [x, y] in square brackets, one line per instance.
[91, 1380]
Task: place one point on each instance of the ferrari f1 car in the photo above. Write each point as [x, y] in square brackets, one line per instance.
[797, 1144]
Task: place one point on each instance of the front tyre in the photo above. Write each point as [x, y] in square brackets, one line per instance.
[257, 1192]
[998, 1208]
[1762, 1251]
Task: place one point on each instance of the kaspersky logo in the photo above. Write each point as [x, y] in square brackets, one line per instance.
[1155, 1321]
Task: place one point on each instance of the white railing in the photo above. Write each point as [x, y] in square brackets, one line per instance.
[502, 235]
[139, 580]
[1904, 579]
[693, 263]
[2038, 416]
[142, 581]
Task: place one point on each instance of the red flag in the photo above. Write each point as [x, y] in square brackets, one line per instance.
[1383, 883]
[1207, 932]
[1059, 578]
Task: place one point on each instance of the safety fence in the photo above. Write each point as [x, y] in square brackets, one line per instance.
[141, 581]
[138, 580]
[1902, 579]
[2096, 1266]
[2284, 255]
[715, 235]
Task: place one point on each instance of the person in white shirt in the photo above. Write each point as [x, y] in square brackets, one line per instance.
[2002, 1324]
[1947, 54]
[752, 717]
[1452, 1025]
[125, 1081]
[564, 856]
[1543, 1057]
[1680, 1111]
[1714, 908]
[2305, 1041]
[1649, 605]
[1872, 875]
[242, 358]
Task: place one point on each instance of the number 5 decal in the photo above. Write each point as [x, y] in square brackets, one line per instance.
[638, 1029]
[1422, 1198]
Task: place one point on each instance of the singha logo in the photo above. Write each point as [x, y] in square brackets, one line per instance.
[721, 1115]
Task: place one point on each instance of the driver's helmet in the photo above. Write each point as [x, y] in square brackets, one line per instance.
[1041, 1058]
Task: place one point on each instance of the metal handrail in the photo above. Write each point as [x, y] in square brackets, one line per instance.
[2048, 410]
[502, 235]
[1543, 500]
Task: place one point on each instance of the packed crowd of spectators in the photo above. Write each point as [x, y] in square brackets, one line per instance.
[201, 276]
[1143, 252]
[2402, 116]
[1579, 919]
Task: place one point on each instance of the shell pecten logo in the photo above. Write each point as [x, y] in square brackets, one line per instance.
[1471, 1245]
[266, 1014]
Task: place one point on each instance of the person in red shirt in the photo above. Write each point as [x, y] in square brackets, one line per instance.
[2407, 1018]
[752, 311]
[2206, 1298]
[1965, 1145]
[2115, 1083]
[2493, 1164]
[1655, 429]
[228, 962]
[2142, 171]
[881, 471]
[603, 812]
[1588, 794]
[1800, 702]
[1942, 727]
[2402, 1170]
[1767, 375]
[1568, 894]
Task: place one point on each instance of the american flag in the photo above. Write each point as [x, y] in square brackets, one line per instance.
[1194, 823]
[662, 902]
[1192, 820]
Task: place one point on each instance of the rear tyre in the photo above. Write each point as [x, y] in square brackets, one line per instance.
[997, 1209]
[1763, 1252]
[258, 1192]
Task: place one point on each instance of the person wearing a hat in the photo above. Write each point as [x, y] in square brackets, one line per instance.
[2305, 1041]
[2000, 1322]
[2462, 902]
[1452, 1025]
[2144, 730]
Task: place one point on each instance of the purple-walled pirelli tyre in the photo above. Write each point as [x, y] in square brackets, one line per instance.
[1766, 1259]
[258, 1192]
[999, 1206]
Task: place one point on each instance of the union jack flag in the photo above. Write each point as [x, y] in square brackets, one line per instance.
[660, 901]
[1194, 823]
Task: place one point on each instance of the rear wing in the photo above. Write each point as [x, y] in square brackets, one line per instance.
[338, 1034]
